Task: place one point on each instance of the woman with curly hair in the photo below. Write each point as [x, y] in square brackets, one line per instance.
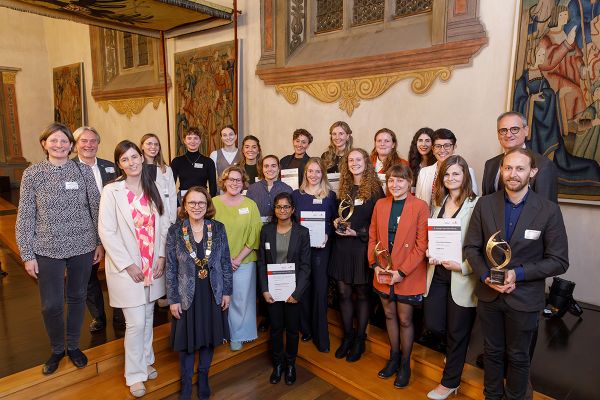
[420, 154]
[360, 187]
[385, 151]
[340, 142]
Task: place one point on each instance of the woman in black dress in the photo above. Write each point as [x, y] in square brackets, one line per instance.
[251, 154]
[284, 241]
[349, 266]
[340, 142]
[197, 249]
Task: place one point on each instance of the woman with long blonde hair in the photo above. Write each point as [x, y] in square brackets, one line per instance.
[315, 195]
[360, 189]
[340, 142]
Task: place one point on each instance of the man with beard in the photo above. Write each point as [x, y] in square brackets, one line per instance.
[533, 228]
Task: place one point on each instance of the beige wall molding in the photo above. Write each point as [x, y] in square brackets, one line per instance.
[349, 92]
[129, 107]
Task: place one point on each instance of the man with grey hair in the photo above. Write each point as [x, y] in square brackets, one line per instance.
[512, 131]
[87, 140]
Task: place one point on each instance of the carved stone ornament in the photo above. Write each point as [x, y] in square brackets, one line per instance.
[297, 16]
[130, 107]
[349, 92]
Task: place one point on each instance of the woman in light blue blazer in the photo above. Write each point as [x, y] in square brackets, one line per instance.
[199, 287]
[450, 300]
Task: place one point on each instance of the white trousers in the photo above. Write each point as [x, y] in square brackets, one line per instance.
[138, 342]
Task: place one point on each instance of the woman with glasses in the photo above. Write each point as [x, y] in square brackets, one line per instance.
[242, 222]
[315, 195]
[450, 297]
[340, 142]
[444, 145]
[251, 153]
[133, 227]
[399, 228]
[284, 241]
[161, 173]
[199, 287]
[359, 188]
[420, 154]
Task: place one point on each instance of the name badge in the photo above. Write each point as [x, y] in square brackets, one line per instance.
[532, 234]
[265, 220]
[71, 185]
[110, 170]
[317, 201]
[198, 165]
[397, 220]
[244, 210]
[267, 246]
[358, 202]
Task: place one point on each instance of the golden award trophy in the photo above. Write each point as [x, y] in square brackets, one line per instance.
[385, 276]
[345, 205]
[497, 273]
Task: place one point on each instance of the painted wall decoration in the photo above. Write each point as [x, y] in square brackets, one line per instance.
[557, 87]
[69, 106]
[204, 96]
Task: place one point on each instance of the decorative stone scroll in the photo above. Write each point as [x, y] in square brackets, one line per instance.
[350, 92]
[129, 107]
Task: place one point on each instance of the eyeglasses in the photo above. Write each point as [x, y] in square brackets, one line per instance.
[446, 146]
[513, 130]
[285, 207]
[194, 204]
[234, 180]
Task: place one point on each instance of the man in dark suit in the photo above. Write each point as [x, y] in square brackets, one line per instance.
[87, 140]
[509, 312]
[512, 132]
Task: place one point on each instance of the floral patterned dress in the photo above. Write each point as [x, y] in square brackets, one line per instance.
[144, 222]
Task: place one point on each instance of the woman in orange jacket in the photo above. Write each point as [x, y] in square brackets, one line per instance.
[397, 247]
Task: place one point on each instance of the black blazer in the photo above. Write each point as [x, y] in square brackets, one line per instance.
[108, 171]
[545, 182]
[541, 257]
[285, 164]
[298, 253]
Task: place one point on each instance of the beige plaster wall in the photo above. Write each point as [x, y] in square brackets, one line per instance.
[467, 104]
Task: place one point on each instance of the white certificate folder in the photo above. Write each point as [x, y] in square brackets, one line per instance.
[445, 239]
[315, 222]
[282, 280]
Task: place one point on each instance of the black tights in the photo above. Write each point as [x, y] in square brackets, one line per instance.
[399, 324]
[358, 307]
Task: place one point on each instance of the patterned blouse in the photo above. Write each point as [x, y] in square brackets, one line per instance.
[58, 211]
[144, 222]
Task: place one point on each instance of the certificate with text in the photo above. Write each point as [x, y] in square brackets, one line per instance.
[315, 222]
[282, 280]
[445, 239]
[290, 176]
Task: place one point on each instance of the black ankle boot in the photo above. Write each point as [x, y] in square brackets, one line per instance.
[358, 347]
[391, 367]
[403, 374]
[276, 374]
[290, 374]
[342, 351]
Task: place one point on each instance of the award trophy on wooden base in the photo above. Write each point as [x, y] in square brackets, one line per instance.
[498, 273]
[343, 223]
[384, 277]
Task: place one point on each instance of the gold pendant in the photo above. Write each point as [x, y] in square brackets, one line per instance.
[203, 273]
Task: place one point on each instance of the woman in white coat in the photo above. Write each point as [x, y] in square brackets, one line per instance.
[450, 299]
[133, 228]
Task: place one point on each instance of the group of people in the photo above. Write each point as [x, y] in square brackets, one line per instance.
[210, 245]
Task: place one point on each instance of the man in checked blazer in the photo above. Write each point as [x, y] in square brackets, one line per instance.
[87, 140]
[533, 227]
[512, 132]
